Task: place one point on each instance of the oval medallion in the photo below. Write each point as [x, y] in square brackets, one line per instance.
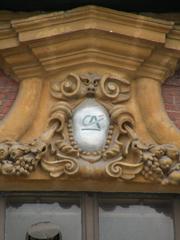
[90, 125]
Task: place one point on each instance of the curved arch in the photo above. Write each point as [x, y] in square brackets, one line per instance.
[23, 111]
[161, 128]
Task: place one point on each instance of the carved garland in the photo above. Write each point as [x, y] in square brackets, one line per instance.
[59, 154]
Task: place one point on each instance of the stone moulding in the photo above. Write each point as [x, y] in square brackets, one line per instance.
[62, 59]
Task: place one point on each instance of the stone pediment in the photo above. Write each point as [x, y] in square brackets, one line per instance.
[118, 60]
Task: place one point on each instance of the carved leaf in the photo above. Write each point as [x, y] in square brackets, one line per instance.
[66, 148]
[59, 167]
[21, 159]
[113, 151]
[119, 169]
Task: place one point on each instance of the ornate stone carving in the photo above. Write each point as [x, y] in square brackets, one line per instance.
[82, 55]
[157, 162]
[77, 88]
[122, 156]
[20, 159]
[107, 87]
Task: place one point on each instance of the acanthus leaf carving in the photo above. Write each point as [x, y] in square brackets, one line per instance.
[59, 167]
[119, 169]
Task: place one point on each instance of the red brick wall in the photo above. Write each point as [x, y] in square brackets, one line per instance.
[170, 91]
[8, 92]
[171, 96]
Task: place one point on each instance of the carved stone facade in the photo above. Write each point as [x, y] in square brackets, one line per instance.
[69, 61]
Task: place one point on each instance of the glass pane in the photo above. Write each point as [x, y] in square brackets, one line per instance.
[136, 222]
[19, 218]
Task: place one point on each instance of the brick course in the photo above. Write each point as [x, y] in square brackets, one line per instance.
[8, 92]
[170, 92]
[171, 96]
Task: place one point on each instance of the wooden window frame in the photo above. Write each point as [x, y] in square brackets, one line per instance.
[89, 204]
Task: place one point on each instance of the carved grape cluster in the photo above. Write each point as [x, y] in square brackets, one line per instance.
[152, 169]
[160, 162]
[26, 164]
[20, 159]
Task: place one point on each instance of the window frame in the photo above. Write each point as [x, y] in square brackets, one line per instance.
[89, 204]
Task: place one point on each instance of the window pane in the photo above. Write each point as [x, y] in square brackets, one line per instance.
[137, 222]
[20, 218]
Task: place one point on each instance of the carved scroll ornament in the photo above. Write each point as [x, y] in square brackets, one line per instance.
[123, 156]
